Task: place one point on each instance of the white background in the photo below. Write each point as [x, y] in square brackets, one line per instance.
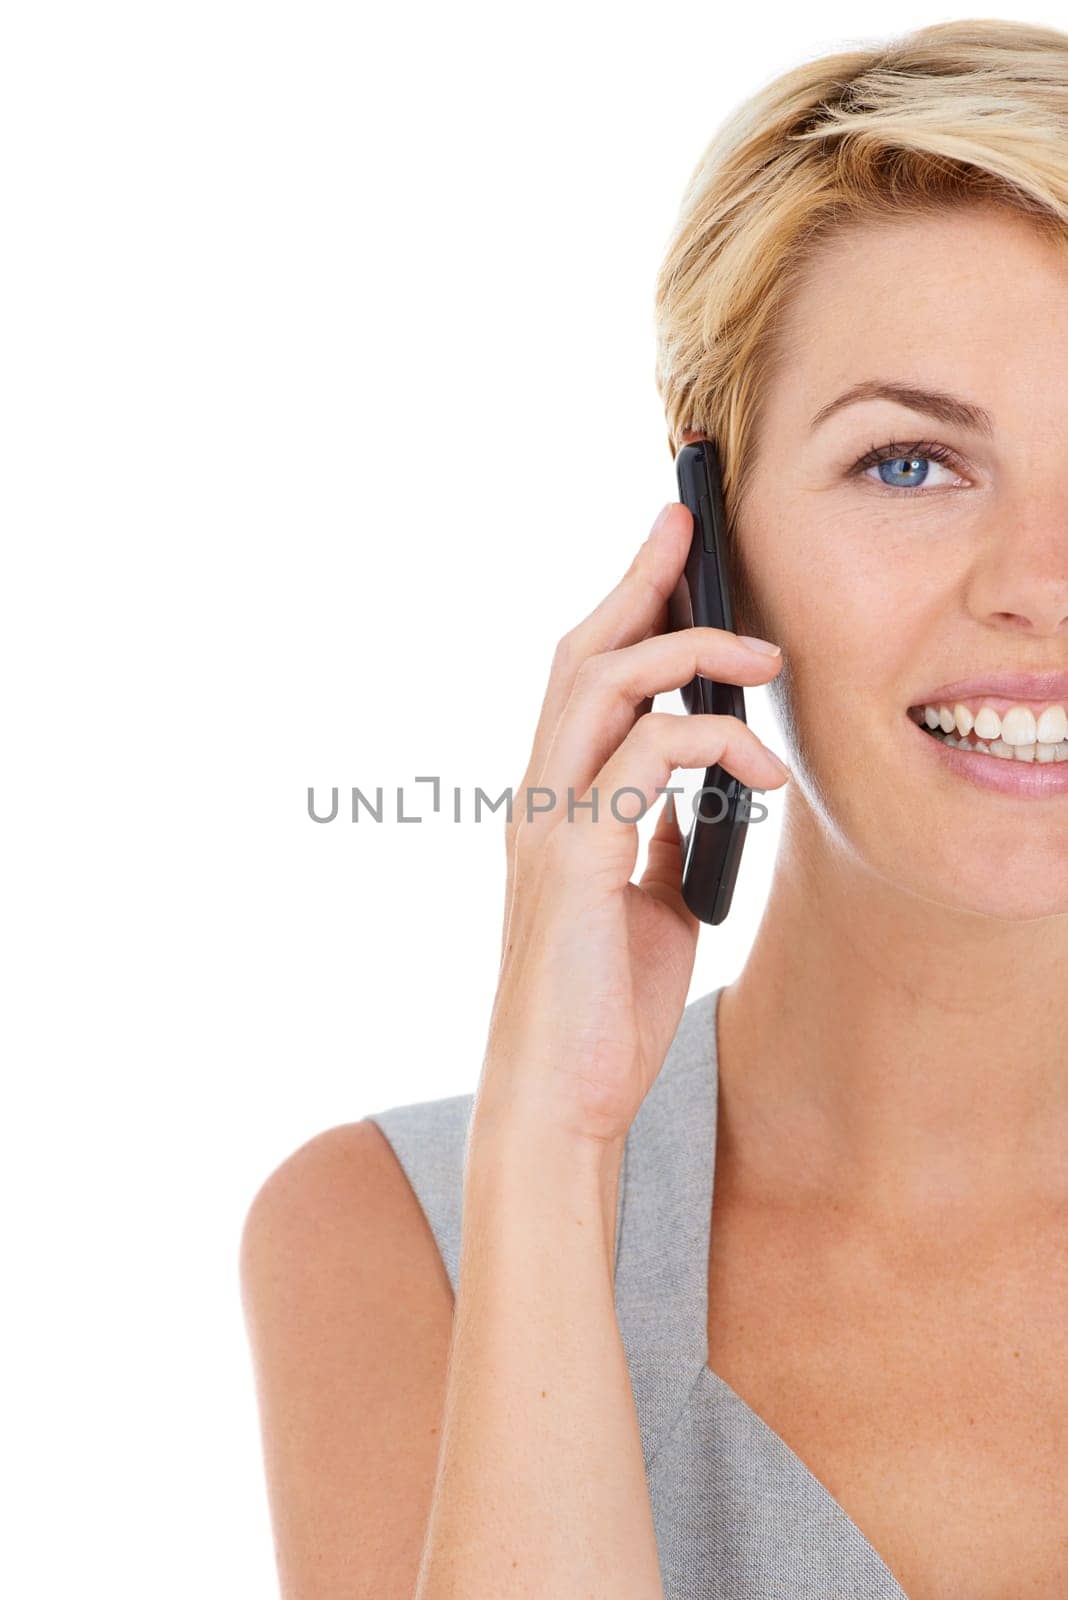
[328, 405]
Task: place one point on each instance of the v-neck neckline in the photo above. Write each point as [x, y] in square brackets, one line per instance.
[664, 1222]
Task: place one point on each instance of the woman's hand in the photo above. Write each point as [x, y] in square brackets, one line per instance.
[595, 969]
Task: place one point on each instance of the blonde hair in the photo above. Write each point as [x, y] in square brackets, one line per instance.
[957, 112]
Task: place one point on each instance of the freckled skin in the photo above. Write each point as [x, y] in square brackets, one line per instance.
[891, 1188]
[873, 593]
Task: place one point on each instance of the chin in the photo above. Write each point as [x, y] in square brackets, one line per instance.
[1010, 886]
[1026, 899]
[964, 851]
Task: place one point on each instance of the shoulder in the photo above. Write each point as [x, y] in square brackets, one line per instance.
[359, 1190]
[349, 1308]
[337, 1259]
[327, 1193]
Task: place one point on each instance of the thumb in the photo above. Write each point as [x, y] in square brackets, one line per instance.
[662, 877]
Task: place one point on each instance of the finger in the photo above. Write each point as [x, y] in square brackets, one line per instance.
[630, 610]
[636, 608]
[599, 840]
[610, 691]
[660, 625]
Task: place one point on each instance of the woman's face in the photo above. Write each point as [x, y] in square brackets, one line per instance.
[939, 578]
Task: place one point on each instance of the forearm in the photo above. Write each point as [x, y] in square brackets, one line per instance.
[541, 1486]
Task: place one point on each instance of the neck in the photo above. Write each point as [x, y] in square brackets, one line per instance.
[886, 1053]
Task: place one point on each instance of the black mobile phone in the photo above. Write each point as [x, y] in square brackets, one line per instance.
[713, 847]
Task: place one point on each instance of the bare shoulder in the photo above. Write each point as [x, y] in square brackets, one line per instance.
[342, 1198]
[349, 1313]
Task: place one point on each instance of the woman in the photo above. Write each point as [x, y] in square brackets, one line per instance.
[856, 1382]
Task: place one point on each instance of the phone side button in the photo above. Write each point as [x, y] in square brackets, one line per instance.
[707, 525]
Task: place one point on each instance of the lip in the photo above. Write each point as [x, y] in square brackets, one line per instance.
[1021, 780]
[1052, 685]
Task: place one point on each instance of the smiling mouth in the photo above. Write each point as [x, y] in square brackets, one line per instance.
[1006, 730]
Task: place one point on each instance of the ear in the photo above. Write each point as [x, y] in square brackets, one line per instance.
[691, 435]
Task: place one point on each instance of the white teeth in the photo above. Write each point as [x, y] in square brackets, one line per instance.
[1014, 733]
[1018, 726]
[1053, 725]
[1006, 751]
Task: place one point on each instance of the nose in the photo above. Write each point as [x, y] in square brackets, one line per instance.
[1020, 584]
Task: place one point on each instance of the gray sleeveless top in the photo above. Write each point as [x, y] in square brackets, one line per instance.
[738, 1515]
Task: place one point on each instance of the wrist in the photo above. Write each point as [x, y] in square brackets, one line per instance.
[515, 1127]
[523, 1167]
[525, 1092]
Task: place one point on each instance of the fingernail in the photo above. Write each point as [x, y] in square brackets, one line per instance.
[765, 646]
[783, 768]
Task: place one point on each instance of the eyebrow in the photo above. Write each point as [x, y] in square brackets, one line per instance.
[949, 408]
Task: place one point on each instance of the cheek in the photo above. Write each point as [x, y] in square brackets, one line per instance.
[850, 617]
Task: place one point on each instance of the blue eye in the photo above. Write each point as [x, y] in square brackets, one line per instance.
[908, 467]
[903, 472]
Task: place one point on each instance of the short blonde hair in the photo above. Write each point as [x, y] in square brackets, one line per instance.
[957, 112]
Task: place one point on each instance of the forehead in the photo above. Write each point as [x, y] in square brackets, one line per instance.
[973, 299]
